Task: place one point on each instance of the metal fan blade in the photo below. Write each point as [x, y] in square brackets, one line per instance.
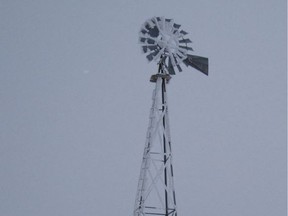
[150, 23]
[170, 67]
[151, 56]
[183, 32]
[147, 27]
[163, 24]
[152, 47]
[160, 52]
[147, 36]
[176, 26]
[176, 32]
[175, 29]
[150, 41]
[171, 70]
[172, 59]
[180, 55]
[142, 40]
[179, 68]
[159, 22]
[154, 32]
[145, 49]
[187, 48]
[187, 40]
[146, 44]
[197, 62]
[177, 60]
[143, 31]
[151, 31]
[171, 23]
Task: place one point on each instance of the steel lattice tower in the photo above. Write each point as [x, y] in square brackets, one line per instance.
[163, 41]
[155, 193]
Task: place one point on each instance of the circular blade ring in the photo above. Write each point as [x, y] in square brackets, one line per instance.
[162, 37]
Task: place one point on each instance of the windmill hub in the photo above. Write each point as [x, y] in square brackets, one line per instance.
[169, 42]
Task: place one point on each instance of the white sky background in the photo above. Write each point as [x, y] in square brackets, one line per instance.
[75, 99]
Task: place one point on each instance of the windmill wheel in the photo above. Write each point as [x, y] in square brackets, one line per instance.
[160, 37]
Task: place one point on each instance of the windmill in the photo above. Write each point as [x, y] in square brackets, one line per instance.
[164, 42]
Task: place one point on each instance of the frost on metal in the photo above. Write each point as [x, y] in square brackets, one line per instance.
[162, 38]
[162, 41]
[155, 192]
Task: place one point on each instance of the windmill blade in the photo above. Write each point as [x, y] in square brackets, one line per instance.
[160, 52]
[158, 19]
[171, 57]
[179, 68]
[176, 26]
[152, 47]
[163, 23]
[178, 57]
[170, 67]
[197, 62]
[187, 48]
[158, 23]
[149, 27]
[171, 70]
[154, 32]
[181, 55]
[147, 37]
[179, 60]
[148, 47]
[152, 55]
[151, 42]
[142, 40]
[171, 25]
[147, 44]
[187, 40]
[183, 32]
[168, 25]
[151, 23]
[145, 49]
[143, 31]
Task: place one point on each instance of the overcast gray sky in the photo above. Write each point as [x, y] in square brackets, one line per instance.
[75, 99]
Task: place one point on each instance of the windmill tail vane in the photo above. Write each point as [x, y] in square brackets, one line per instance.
[162, 41]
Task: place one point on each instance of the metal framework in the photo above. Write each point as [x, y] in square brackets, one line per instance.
[161, 40]
[155, 193]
